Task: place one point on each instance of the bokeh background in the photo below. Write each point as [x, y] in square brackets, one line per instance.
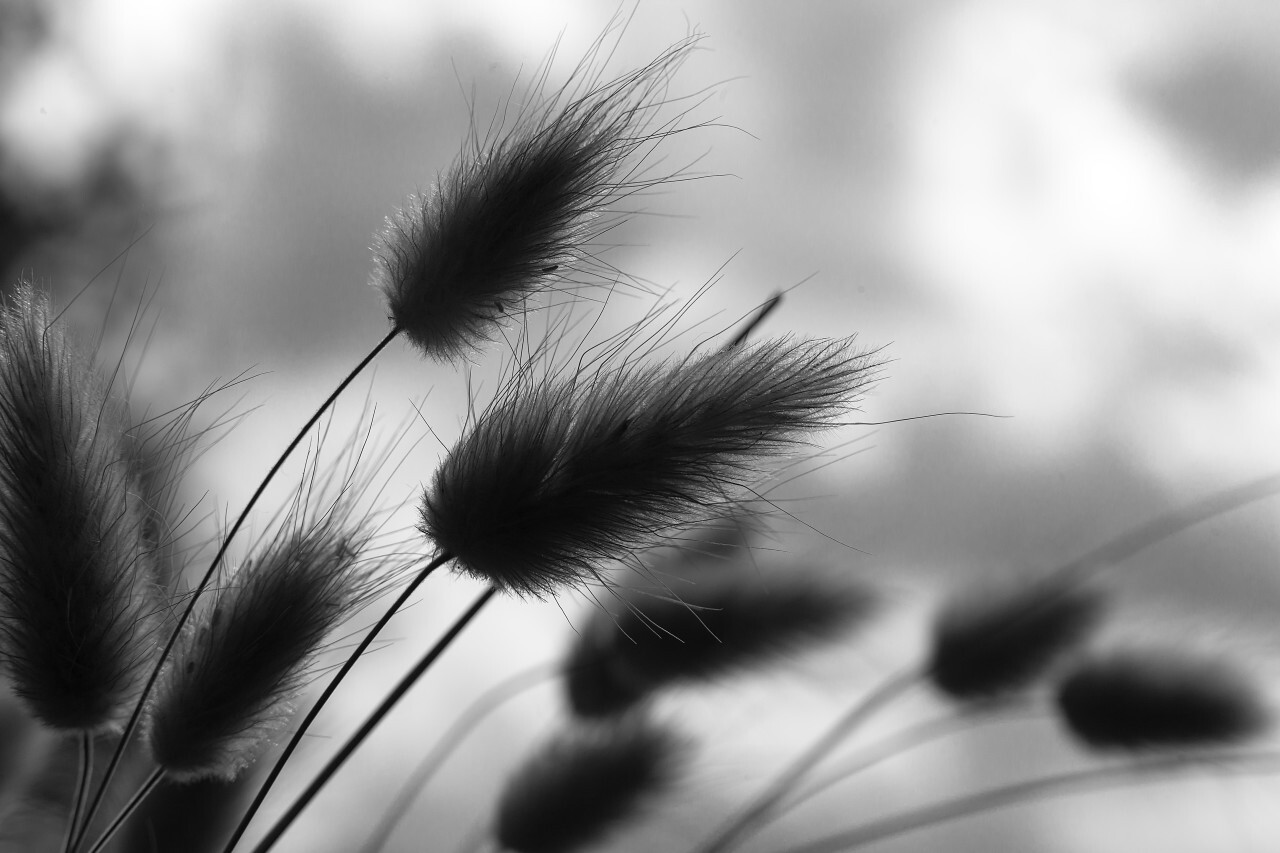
[1066, 213]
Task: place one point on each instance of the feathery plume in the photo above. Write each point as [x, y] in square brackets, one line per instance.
[518, 215]
[583, 784]
[989, 642]
[78, 602]
[562, 474]
[1151, 698]
[721, 624]
[240, 663]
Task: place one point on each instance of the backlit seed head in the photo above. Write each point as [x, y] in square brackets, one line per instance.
[520, 214]
[240, 662]
[719, 623]
[1151, 698]
[78, 597]
[992, 641]
[562, 475]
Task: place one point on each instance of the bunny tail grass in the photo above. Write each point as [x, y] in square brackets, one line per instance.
[561, 475]
[581, 785]
[720, 624]
[240, 663]
[992, 642]
[78, 602]
[1142, 698]
[520, 214]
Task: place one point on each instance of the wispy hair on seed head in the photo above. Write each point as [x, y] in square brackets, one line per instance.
[523, 209]
[78, 601]
[559, 477]
[243, 659]
[714, 625]
[579, 787]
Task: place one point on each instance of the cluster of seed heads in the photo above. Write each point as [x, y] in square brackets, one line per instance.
[562, 477]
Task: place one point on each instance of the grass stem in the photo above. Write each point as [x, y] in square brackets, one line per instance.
[136, 716]
[388, 702]
[301, 729]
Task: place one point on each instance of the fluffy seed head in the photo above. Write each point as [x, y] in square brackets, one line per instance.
[723, 623]
[239, 664]
[560, 475]
[519, 214]
[988, 642]
[581, 785]
[1153, 698]
[78, 603]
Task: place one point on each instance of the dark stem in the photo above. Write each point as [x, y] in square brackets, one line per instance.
[371, 723]
[130, 807]
[760, 808]
[132, 725]
[763, 311]
[301, 730]
[1058, 785]
[82, 788]
[492, 699]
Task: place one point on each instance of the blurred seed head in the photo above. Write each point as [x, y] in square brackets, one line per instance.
[78, 599]
[576, 789]
[989, 641]
[561, 475]
[1142, 698]
[521, 213]
[719, 624]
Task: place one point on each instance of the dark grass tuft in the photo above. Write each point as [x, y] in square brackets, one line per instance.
[723, 623]
[78, 598]
[1151, 698]
[990, 641]
[240, 663]
[582, 785]
[561, 475]
[519, 214]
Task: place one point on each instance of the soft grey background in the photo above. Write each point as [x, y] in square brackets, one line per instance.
[1063, 212]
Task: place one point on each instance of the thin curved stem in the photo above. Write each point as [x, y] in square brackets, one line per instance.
[1057, 785]
[760, 809]
[136, 716]
[301, 730]
[372, 721]
[130, 807]
[488, 702]
[907, 739]
[82, 788]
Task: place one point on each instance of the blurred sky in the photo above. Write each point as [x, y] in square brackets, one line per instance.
[1063, 212]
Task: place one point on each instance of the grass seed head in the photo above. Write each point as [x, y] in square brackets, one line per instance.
[519, 214]
[561, 475]
[989, 642]
[78, 599]
[582, 785]
[240, 663]
[723, 623]
[1152, 698]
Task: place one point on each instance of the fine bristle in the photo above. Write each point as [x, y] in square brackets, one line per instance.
[240, 663]
[78, 595]
[519, 215]
[560, 476]
[582, 785]
[721, 624]
[1153, 698]
[987, 642]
